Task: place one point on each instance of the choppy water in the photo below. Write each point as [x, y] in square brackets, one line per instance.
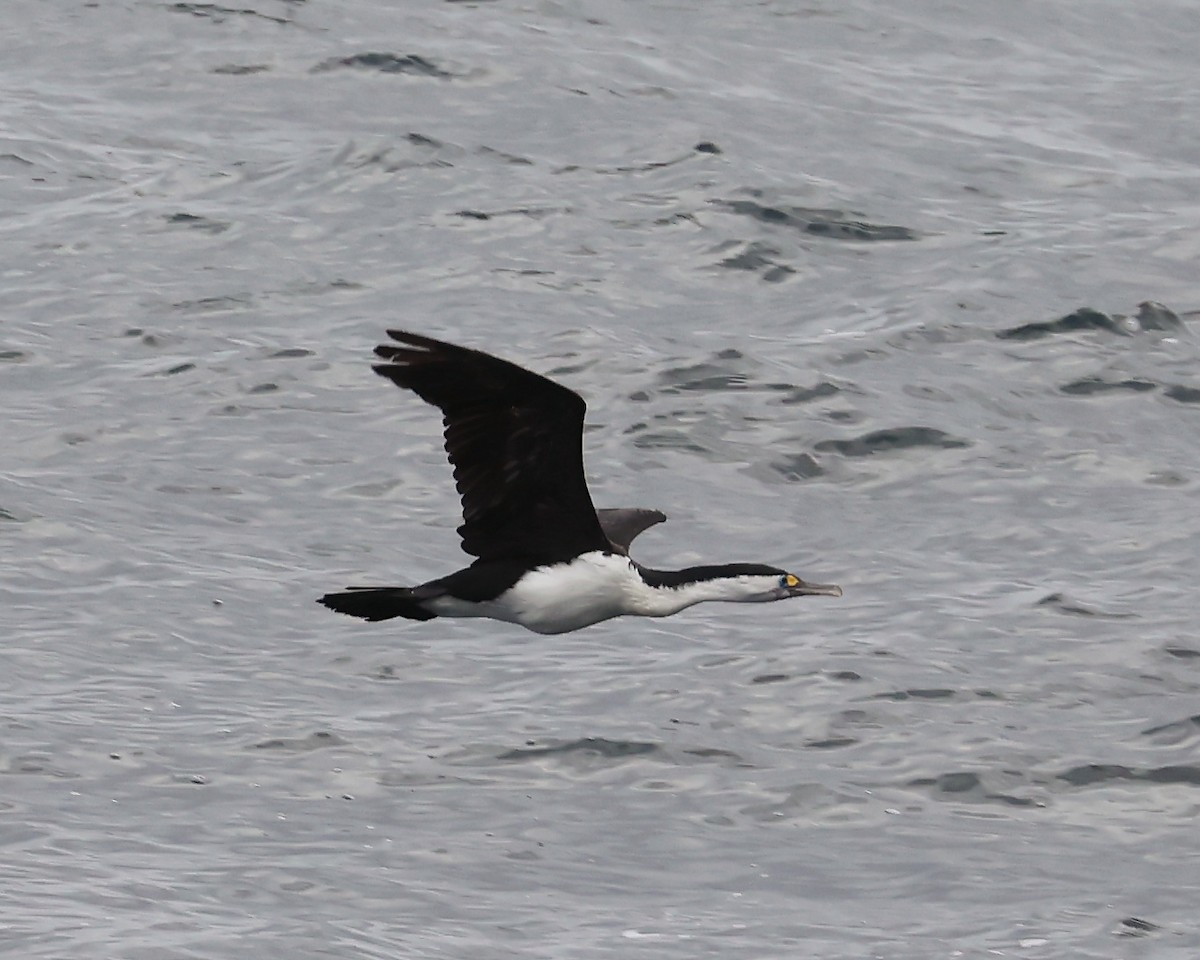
[849, 288]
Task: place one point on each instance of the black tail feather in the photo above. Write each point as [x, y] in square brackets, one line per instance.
[377, 603]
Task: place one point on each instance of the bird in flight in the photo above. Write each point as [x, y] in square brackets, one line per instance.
[545, 557]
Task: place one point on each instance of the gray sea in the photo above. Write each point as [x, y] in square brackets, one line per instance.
[899, 296]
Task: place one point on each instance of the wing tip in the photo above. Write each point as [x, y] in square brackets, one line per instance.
[417, 340]
[414, 347]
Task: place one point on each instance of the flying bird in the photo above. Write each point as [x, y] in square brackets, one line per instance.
[545, 557]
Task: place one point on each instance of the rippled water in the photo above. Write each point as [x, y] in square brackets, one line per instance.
[900, 299]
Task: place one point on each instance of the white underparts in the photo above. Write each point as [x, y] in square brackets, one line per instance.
[595, 587]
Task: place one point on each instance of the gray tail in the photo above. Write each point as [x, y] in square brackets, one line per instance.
[377, 603]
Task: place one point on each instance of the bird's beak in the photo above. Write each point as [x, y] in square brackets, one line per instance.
[802, 589]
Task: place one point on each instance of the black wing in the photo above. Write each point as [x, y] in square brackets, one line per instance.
[515, 440]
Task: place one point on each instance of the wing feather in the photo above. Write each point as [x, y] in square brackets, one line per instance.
[515, 441]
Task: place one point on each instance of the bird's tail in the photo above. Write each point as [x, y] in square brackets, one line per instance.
[378, 603]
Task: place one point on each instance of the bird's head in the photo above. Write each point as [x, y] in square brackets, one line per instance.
[763, 584]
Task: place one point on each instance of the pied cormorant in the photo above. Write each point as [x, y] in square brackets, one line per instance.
[544, 556]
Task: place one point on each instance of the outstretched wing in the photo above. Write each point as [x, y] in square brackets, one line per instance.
[515, 440]
[622, 524]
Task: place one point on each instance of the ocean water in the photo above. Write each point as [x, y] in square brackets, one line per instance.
[899, 297]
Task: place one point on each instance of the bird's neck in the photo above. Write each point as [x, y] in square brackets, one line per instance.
[669, 591]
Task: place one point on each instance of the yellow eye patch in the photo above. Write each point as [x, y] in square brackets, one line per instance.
[792, 581]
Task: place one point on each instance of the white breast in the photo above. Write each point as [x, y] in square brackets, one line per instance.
[591, 588]
[561, 597]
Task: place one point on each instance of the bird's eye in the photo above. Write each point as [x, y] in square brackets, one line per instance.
[783, 581]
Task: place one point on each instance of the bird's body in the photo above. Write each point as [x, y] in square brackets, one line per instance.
[545, 557]
[561, 597]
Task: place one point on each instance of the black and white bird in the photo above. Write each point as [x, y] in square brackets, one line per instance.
[545, 558]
